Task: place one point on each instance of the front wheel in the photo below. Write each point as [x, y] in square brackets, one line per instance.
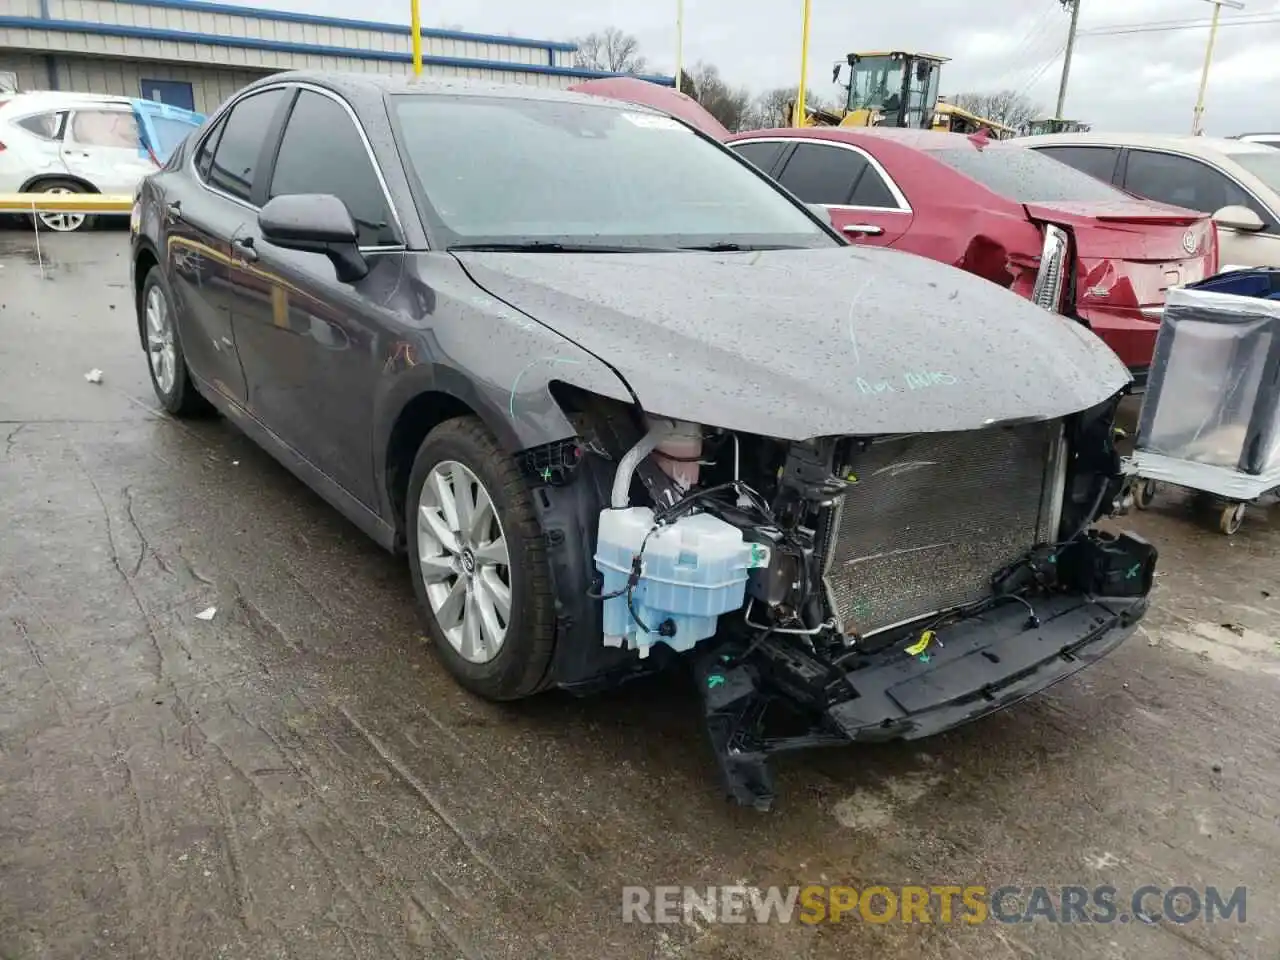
[478, 562]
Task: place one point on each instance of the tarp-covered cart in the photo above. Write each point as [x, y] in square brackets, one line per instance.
[1210, 420]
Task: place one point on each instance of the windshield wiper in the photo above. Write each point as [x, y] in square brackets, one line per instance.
[729, 247]
[547, 246]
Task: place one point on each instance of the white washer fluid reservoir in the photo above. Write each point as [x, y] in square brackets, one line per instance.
[691, 571]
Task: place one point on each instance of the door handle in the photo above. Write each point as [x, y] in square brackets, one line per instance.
[243, 246]
[863, 230]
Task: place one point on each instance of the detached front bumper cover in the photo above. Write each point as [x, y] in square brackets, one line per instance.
[978, 666]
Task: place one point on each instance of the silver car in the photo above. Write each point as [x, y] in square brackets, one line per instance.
[1236, 181]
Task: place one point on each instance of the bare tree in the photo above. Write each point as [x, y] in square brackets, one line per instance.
[728, 105]
[611, 50]
[772, 108]
[1009, 107]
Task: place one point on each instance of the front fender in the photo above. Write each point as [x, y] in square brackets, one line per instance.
[474, 350]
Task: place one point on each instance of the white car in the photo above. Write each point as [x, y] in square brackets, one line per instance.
[70, 143]
[1237, 182]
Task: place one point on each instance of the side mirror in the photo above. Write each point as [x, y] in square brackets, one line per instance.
[315, 223]
[1237, 217]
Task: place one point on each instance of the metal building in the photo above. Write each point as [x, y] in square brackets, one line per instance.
[195, 54]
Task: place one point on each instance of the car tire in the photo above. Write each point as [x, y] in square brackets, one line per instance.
[163, 346]
[61, 222]
[457, 573]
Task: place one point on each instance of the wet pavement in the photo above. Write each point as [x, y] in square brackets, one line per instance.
[298, 777]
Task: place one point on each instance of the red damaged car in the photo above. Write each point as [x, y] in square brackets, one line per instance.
[1057, 236]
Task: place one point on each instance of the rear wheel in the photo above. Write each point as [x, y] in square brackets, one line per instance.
[478, 563]
[168, 367]
[61, 222]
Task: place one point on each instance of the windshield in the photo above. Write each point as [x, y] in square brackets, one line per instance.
[1027, 176]
[1264, 166]
[875, 82]
[510, 171]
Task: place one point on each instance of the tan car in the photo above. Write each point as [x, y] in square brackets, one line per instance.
[1236, 181]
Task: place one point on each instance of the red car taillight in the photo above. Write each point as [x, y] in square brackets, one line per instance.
[1055, 270]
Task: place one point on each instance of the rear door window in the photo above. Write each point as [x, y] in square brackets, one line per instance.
[1098, 162]
[240, 146]
[323, 152]
[819, 173]
[46, 126]
[204, 156]
[1184, 182]
[1025, 176]
[871, 190]
[762, 155]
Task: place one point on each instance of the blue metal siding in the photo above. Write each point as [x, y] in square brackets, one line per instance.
[304, 49]
[372, 25]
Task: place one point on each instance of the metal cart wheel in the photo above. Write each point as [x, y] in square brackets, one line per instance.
[1231, 517]
[1144, 493]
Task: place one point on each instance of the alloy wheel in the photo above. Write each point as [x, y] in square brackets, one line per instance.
[462, 556]
[162, 351]
[62, 222]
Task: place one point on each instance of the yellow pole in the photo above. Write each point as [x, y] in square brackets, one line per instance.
[679, 42]
[798, 119]
[1197, 122]
[415, 25]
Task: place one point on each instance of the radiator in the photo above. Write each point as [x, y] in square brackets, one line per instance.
[933, 516]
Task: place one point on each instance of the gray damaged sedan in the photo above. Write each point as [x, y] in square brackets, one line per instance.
[625, 403]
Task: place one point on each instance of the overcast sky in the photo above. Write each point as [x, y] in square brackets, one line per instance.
[1135, 82]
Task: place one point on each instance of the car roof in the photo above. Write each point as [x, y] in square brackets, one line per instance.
[919, 139]
[355, 86]
[56, 99]
[1196, 146]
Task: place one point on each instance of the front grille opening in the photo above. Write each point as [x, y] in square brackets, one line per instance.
[933, 516]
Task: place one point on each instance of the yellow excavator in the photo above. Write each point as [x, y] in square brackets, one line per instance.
[895, 88]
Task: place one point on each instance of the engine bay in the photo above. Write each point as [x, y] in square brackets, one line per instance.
[848, 588]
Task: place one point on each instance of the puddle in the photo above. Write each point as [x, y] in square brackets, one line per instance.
[874, 808]
[1237, 648]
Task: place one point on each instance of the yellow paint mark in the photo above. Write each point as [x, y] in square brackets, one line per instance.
[921, 645]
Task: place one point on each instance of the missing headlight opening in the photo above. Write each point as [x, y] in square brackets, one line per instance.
[852, 589]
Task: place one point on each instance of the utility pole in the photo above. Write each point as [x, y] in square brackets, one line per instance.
[415, 26]
[1066, 63]
[679, 43]
[798, 115]
[1197, 118]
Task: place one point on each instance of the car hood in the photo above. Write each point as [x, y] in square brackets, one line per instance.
[796, 344]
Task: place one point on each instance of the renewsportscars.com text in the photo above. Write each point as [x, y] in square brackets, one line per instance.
[933, 904]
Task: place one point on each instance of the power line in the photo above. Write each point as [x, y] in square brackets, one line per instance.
[1041, 30]
[1170, 25]
[1041, 70]
[1038, 30]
